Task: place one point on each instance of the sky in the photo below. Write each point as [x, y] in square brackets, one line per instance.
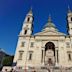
[13, 12]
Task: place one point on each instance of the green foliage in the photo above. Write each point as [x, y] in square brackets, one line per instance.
[7, 60]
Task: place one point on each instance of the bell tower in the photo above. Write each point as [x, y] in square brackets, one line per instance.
[69, 22]
[27, 28]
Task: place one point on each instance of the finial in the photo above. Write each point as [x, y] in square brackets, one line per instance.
[30, 11]
[31, 8]
[49, 18]
[69, 9]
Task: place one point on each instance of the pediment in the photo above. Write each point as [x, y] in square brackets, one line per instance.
[49, 33]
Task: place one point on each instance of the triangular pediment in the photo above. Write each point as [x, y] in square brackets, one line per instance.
[49, 33]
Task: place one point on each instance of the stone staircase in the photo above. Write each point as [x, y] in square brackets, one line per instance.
[42, 69]
[45, 70]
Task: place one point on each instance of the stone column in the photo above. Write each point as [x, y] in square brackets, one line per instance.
[56, 57]
[43, 56]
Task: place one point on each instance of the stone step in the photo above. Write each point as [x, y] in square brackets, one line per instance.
[45, 70]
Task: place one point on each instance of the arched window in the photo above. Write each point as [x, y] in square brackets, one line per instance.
[28, 19]
[25, 32]
[71, 18]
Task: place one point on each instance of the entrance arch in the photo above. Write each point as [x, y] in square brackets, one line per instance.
[50, 53]
[50, 46]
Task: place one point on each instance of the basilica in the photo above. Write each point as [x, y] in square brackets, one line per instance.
[50, 47]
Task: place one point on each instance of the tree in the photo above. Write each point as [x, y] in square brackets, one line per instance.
[7, 60]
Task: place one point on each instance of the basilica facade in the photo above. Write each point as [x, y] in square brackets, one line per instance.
[46, 48]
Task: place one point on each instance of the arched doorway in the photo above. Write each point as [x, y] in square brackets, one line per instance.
[50, 53]
[50, 46]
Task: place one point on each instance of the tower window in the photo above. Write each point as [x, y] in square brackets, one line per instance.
[22, 44]
[20, 55]
[32, 44]
[30, 55]
[25, 32]
[69, 57]
[28, 19]
[71, 18]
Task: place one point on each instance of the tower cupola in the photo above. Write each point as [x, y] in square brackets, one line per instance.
[69, 21]
[27, 28]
